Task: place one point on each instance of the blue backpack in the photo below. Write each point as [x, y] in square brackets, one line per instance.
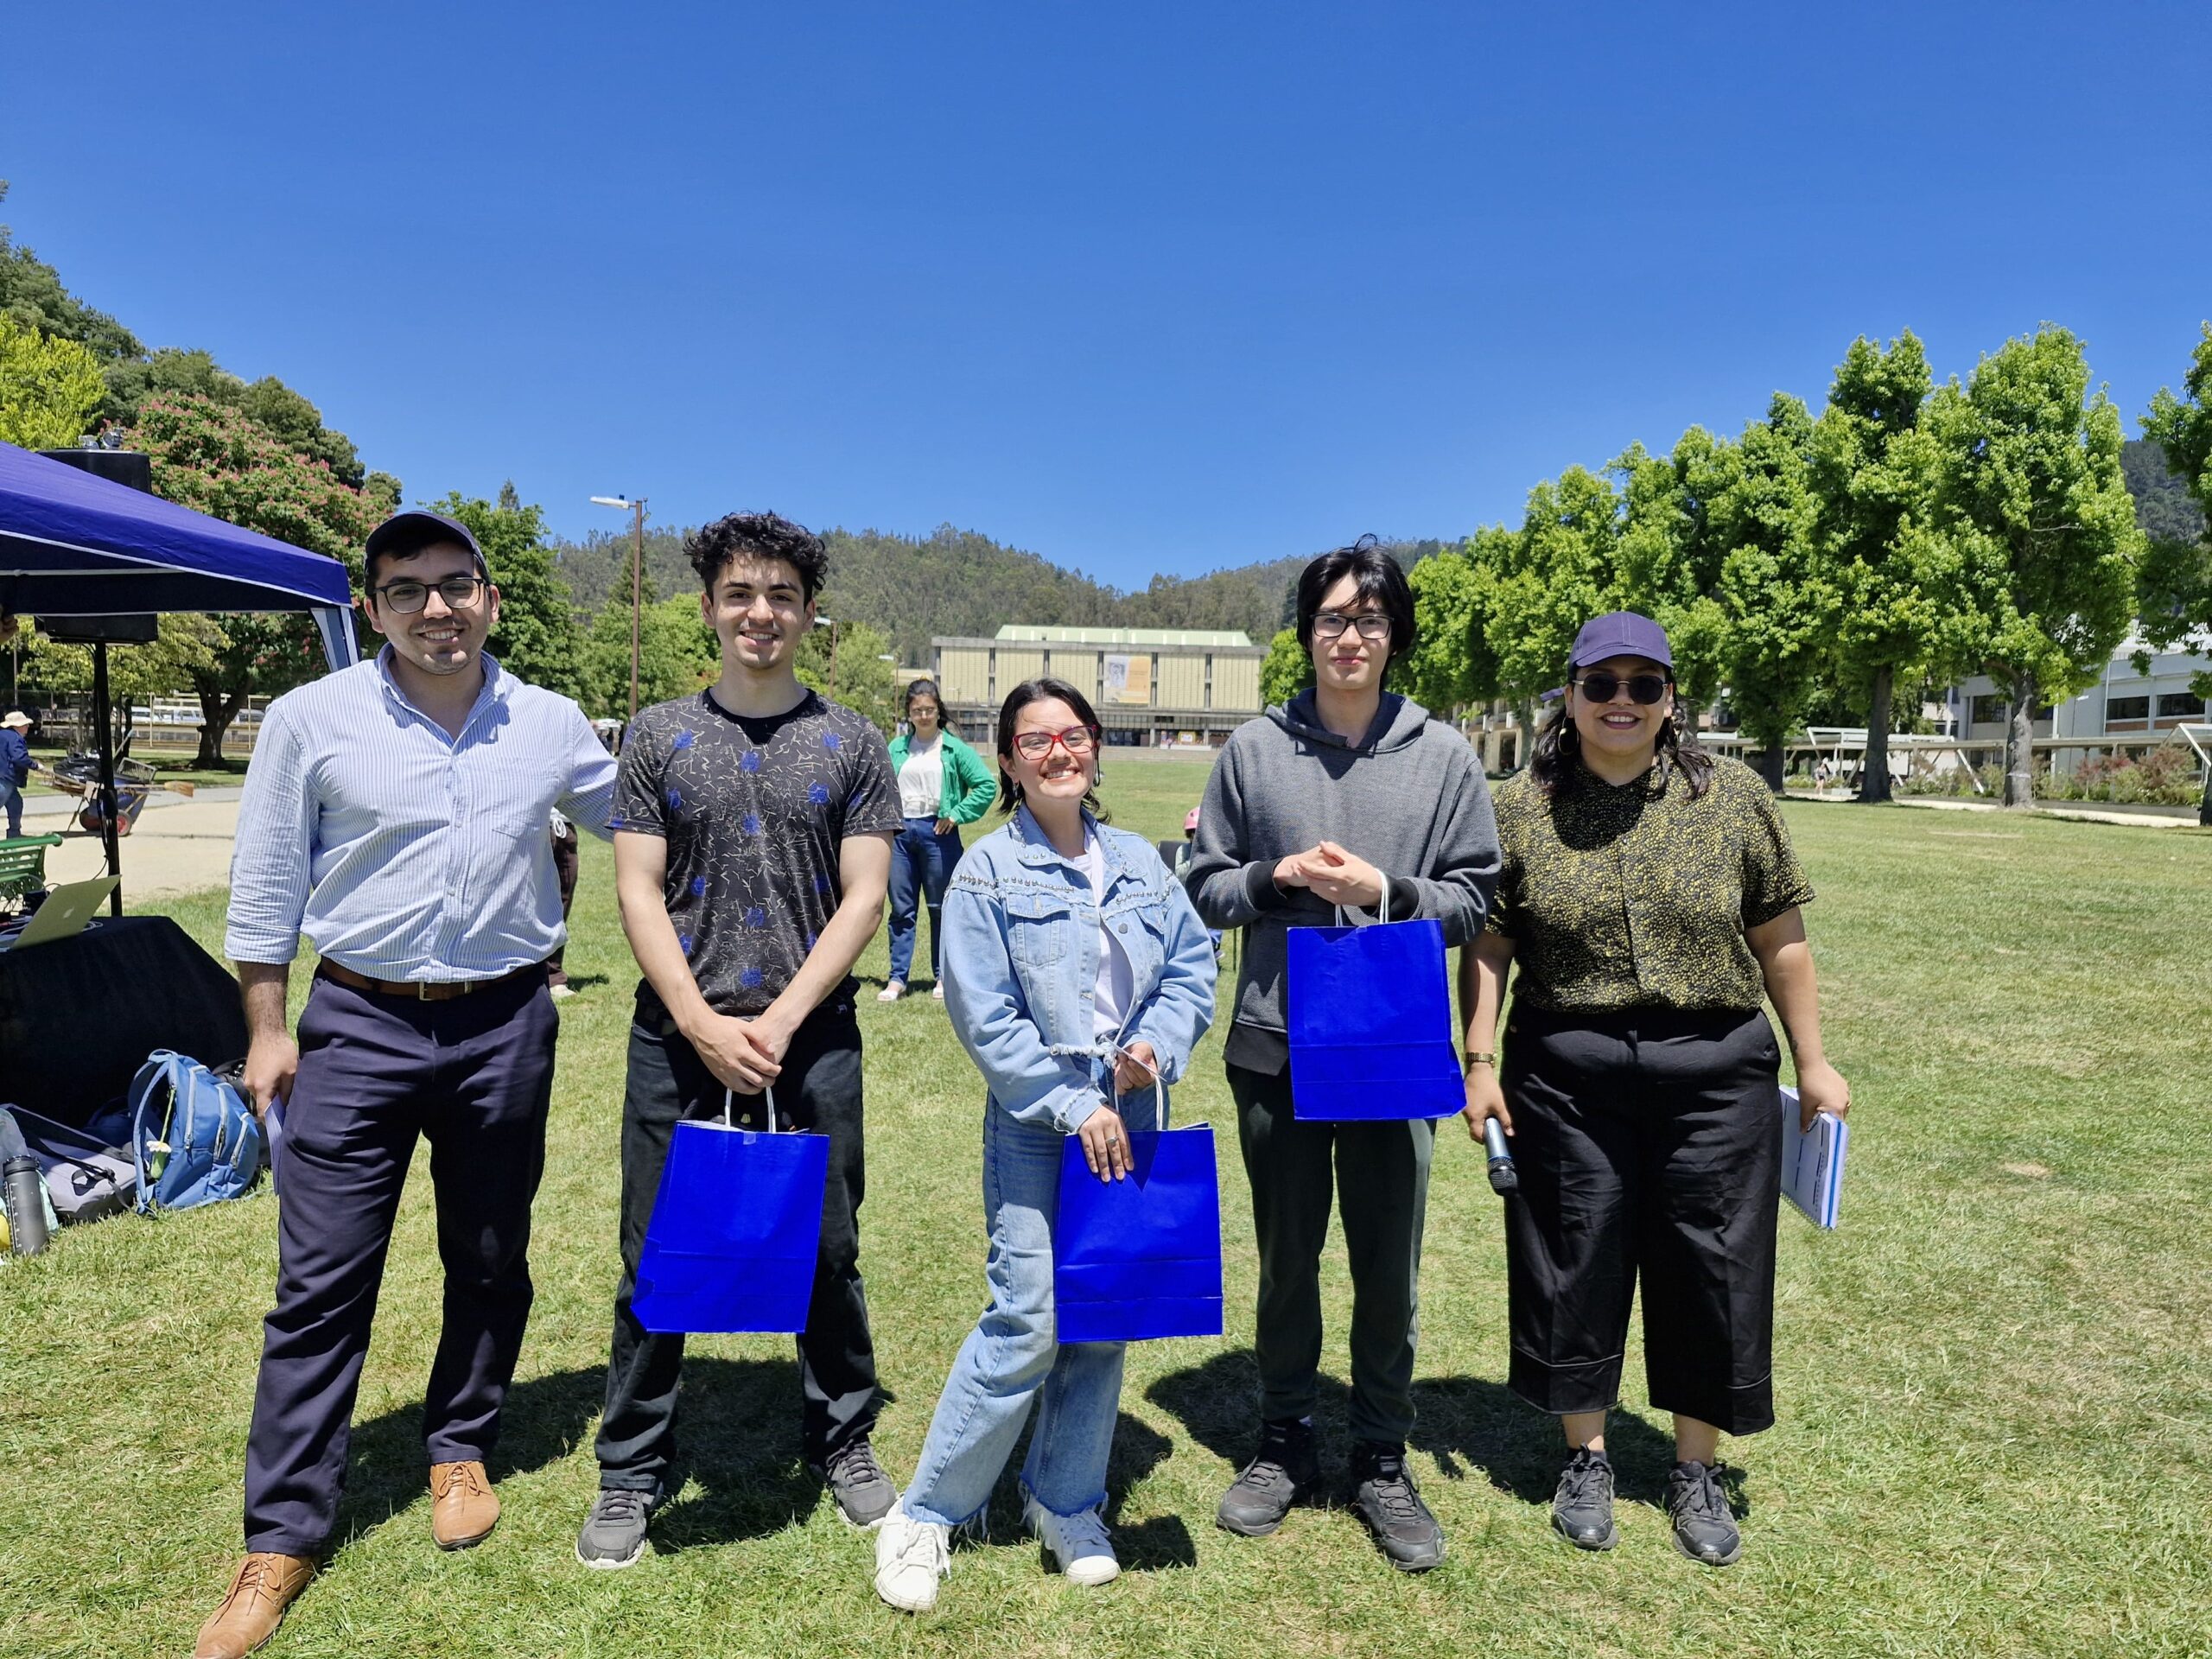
[194, 1139]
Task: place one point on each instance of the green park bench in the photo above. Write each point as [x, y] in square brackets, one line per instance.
[23, 867]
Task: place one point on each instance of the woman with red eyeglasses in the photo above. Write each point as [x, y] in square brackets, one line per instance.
[1648, 904]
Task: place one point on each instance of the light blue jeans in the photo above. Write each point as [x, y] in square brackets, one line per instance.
[1012, 1355]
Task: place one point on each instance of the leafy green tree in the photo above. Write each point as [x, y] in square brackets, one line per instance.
[32, 295]
[1285, 670]
[677, 653]
[2034, 501]
[1558, 573]
[214, 458]
[863, 682]
[49, 387]
[1777, 602]
[2174, 602]
[1438, 673]
[537, 639]
[1903, 613]
[1668, 566]
[269, 402]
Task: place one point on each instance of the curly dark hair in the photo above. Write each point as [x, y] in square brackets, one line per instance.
[760, 535]
[1552, 760]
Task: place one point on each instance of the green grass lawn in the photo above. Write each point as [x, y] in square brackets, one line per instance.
[1994, 1381]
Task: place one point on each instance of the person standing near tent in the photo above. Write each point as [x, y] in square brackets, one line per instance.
[16, 767]
[752, 850]
[942, 784]
[1080, 977]
[394, 816]
[1313, 807]
[1651, 900]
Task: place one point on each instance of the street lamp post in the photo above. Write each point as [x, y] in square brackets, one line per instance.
[830, 623]
[637, 579]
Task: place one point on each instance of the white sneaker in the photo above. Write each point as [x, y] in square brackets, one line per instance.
[939, 992]
[891, 992]
[1077, 1543]
[911, 1556]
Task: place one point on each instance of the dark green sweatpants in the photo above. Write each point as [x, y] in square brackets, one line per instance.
[1378, 1175]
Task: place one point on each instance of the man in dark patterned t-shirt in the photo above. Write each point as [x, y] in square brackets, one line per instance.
[753, 843]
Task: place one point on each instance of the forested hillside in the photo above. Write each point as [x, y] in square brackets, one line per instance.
[2162, 504]
[956, 581]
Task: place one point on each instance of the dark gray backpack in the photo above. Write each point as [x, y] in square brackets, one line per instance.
[85, 1177]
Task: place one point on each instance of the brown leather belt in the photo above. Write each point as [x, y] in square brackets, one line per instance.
[419, 990]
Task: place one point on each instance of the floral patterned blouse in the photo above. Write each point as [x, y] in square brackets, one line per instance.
[1635, 895]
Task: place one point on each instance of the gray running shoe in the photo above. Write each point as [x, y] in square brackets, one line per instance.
[1283, 1472]
[1384, 1495]
[614, 1532]
[864, 1493]
[1582, 1507]
[1705, 1526]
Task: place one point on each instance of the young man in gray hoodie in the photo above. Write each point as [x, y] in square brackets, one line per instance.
[1313, 806]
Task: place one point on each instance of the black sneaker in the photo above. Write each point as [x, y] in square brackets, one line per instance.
[1705, 1526]
[1383, 1492]
[614, 1532]
[864, 1493]
[1582, 1507]
[1282, 1473]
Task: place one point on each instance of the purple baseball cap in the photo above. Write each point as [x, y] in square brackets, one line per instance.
[1620, 634]
[412, 531]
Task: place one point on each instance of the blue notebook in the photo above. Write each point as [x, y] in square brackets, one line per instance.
[1812, 1161]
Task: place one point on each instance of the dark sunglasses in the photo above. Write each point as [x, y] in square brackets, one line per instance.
[1600, 687]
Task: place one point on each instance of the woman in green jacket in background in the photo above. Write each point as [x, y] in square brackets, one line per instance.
[942, 784]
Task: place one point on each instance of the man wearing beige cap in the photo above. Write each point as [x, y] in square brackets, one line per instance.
[15, 766]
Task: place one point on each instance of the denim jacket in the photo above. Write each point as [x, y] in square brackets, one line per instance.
[1021, 958]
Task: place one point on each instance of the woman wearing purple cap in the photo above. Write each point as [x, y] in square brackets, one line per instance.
[1650, 898]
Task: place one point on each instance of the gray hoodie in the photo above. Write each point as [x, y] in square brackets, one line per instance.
[1409, 799]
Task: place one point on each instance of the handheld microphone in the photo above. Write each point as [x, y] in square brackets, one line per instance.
[1504, 1179]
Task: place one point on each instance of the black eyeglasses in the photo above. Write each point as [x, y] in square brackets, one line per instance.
[1076, 739]
[408, 597]
[1600, 687]
[1372, 625]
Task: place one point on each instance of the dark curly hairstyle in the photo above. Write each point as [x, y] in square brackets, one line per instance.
[1021, 697]
[1380, 582]
[1551, 761]
[760, 535]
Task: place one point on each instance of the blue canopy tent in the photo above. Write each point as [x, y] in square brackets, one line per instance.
[75, 544]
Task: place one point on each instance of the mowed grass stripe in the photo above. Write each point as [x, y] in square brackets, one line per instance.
[1992, 1381]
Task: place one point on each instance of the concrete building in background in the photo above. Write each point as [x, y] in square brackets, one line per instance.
[2124, 704]
[1180, 687]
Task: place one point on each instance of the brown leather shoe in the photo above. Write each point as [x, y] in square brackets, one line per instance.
[263, 1586]
[464, 1508]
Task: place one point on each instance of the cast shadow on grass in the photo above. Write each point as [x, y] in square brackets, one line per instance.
[388, 1471]
[1465, 1423]
[738, 1473]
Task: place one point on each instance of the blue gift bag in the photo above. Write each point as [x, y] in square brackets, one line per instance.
[735, 1226]
[1370, 1022]
[1139, 1258]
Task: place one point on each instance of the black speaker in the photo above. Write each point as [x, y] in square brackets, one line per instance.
[133, 467]
[98, 630]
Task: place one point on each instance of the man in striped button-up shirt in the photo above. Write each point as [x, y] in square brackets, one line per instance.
[395, 817]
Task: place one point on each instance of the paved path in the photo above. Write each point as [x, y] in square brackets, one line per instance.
[2151, 817]
[184, 847]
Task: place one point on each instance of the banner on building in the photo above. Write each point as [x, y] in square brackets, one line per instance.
[1129, 679]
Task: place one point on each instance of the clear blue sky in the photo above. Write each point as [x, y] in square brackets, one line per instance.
[1140, 288]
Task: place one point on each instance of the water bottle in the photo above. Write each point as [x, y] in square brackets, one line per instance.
[25, 1194]
[1504, 1179]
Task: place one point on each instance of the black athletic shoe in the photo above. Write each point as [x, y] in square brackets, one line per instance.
[1704, 1527]
[1582, 1507]
[1383, 1492]
[614, 1532]
[864, 1493]
[1284, 1472]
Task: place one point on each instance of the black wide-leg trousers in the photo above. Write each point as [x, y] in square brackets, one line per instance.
[1649, 1144]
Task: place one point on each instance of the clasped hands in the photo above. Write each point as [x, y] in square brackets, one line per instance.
[744, 1054]
[1333, 875]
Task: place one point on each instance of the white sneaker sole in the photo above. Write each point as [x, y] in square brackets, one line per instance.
[602, 1565]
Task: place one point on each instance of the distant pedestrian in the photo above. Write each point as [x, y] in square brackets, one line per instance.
[1651, 900]
[16, 767]
[1345, 789]
[942, 784]
[1079, 975]
[394, 816]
